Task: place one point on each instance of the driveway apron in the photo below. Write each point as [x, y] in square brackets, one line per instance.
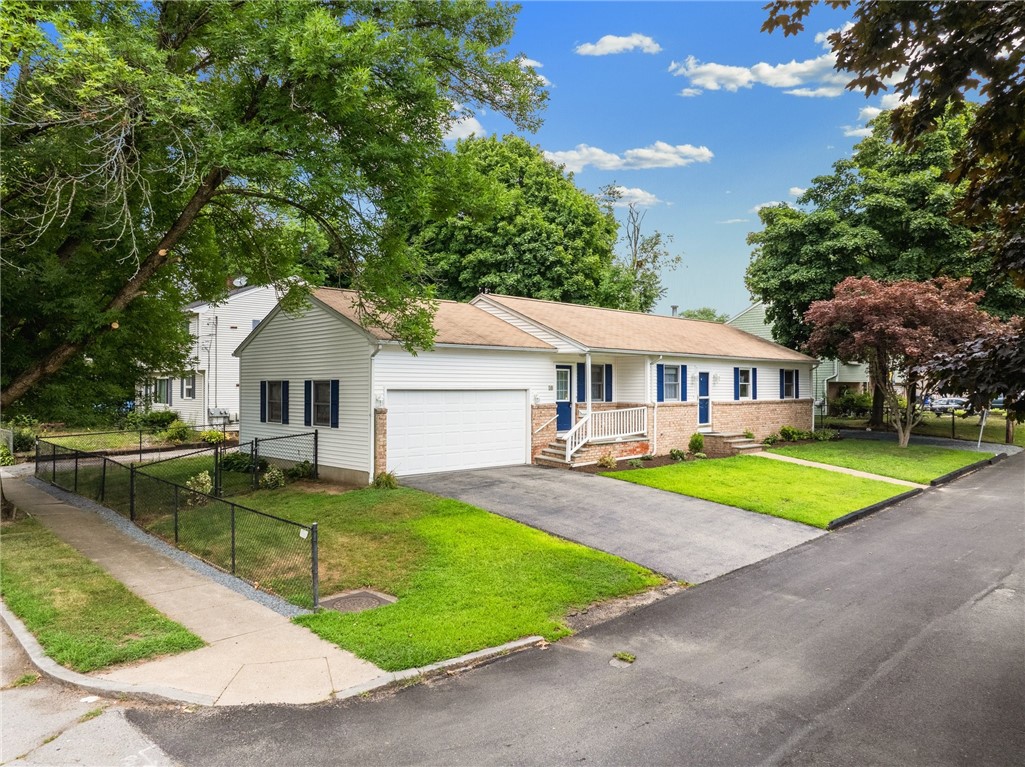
[685, 538]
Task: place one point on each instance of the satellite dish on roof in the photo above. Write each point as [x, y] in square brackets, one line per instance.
[240, 282]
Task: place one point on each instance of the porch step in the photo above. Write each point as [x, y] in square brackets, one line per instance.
[545, 459]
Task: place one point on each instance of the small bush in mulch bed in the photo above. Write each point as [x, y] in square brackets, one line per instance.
[653, 462]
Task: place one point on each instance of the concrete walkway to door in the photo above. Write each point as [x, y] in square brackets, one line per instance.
[684, 538]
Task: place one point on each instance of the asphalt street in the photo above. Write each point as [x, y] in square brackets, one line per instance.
[899, 640]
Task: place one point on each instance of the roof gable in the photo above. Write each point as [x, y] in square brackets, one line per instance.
[617, 330]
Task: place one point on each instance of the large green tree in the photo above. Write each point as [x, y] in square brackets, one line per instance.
[885, 212]
[523, 227]
[153, 148]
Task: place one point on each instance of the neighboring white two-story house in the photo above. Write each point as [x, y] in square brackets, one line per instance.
[209, 392]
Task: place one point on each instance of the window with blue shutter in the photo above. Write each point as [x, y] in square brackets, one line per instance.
[608, 383]
[581, 383]
[736, 383]
[660, 383]
[782, 383]
[683, 383]
[263, 401]
[308, 402]
[754, 383]
[797, 384]
[284, 402]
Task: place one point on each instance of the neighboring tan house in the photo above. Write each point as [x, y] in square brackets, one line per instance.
[208, 393]
[510, 381]
[829, 380]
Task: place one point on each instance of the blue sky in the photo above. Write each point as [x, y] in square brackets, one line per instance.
[689, 104]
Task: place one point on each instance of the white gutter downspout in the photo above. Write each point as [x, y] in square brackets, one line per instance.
[373, 415]
[654, 414]
[813, 369]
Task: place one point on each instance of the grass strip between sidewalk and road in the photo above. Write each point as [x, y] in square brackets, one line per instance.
[84, 619]
[799, 493]
[465, 579]
[914, 463]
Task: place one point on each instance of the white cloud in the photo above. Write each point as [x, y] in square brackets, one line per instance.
[463, 125]
[635, 196]
[691, 92]
[891, 101]
[856, 132]
[658, 155]
[610, 44]
[769, 204]
[817, 72]
[733, 221]
[869, 113]
[536, 65]
[822, 92]
[797, 191]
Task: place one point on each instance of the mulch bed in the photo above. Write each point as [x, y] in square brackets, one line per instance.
[624, 465]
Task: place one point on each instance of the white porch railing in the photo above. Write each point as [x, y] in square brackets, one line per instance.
[606, 424]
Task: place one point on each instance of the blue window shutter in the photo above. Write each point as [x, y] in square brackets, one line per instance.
[263, 401]
[308, 403]
[736, 383]
[782, 383]
[334, 403]
[683, 383]
[608, 383]
[284, 402]
[581, 383]
[170, 387]
[754, 383]
[181, 391]
[797, 386]
[660, 383]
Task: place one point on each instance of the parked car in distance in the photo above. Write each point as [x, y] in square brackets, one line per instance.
[947, 404]
[997, 404]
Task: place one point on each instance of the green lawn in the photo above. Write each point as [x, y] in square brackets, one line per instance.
[915, 463]
[465, 579]
[800, 493]
[83, 618]
[939, 426]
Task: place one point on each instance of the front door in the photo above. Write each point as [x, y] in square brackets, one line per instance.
[563, 403]
[704, 401]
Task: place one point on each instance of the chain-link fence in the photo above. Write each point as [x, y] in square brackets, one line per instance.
[276, 554]
[141, 444]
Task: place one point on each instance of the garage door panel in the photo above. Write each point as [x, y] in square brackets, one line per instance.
[450, 430]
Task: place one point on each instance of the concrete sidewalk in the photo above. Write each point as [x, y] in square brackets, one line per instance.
[253, 654]
[838, 469]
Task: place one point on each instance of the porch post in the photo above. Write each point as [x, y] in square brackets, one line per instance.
[587, 381]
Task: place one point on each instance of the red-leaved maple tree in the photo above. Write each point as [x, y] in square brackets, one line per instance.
[895, 328]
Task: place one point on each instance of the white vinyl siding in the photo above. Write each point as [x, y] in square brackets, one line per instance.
[316, 346]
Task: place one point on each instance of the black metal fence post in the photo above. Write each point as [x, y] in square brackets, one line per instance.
[103, 481]
[952, 425]
[316, 566]
[53, 463]
[131, 492]
[140, 444]
[316, 450]
[254, 459]
[37, 458]
[217, 470]
[176, 516]
[232, 539]
[76, 471]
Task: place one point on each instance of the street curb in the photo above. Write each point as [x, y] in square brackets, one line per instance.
[395, 677]
[53, 670]
[846, 519]
[951, 476]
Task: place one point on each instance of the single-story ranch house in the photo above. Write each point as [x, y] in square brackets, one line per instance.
[510, 381]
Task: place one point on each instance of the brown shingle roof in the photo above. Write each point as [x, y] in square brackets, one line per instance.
[612, 329]
[455, 323]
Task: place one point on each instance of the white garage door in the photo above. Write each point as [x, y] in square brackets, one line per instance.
[449, 430]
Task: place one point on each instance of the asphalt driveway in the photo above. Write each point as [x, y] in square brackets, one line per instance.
[684, 538]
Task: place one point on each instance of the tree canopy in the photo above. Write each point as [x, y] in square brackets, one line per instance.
[151, 149]
[884, 212]
[706, 313]
[523, 228]
[934, 55]
[895, 328]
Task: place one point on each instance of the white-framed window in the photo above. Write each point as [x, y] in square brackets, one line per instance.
[188, 387]
[162, 391]
[274, 401]
[562, 378]
[321, 403]
[744, 378]
[597, 383]
[671, 383]
[789, 384]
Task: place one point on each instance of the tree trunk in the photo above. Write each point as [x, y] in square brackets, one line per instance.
[878, 404]
[1009, 430]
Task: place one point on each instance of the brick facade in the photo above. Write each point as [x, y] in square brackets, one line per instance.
[762, 417]
[628, 448]
[542, 428]
[380, 440]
